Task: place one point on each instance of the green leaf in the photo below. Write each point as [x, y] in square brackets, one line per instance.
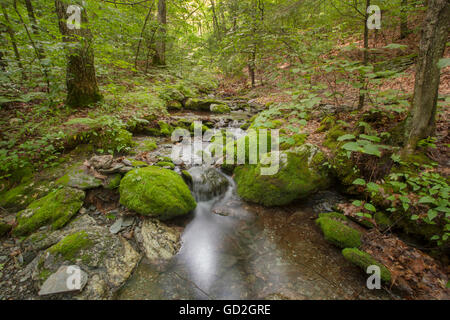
[427, 199]
[359, 182]
[371, 138]
[346, 137]
[432, 214]
[370, 207]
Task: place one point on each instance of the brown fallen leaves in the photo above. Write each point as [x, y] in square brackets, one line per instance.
[413, 272]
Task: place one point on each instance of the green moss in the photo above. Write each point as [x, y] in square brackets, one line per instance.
[56, 208]
[333, 215]
[198, 104]
[338, 233]
[363, 260]
[156, 192]
[332, 135]
[149, 145]
[113, 141]
[326, 124]
[138, 164]
[220, 108]
[299, 176]
[174, 105]
[165, 128]
[344, 169]
[164, 164]
[192, 127]
[383, 221]
[78, 177]
[113, 181]
[70, 245]
[44, 274]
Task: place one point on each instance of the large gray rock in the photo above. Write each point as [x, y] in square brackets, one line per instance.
[107, 259]
[78, 177]
[207, 183]
[62, 281]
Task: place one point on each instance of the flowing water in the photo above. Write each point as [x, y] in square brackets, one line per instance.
[234, 250]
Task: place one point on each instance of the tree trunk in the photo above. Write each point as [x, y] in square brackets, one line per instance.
[421, 121]
[34, 27]
[82, 87]
[160, 58]
[404, 31]
[12, 37]
[362, 95]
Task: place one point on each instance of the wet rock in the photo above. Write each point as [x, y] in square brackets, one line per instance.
[156, 192]
[78, 177]
[121, 224]
[59, 282]
[159, 241]
[207, 183]
[55, 209]
[115, 168]
[101, 162]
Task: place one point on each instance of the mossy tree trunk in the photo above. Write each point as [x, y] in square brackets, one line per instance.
[82, 87]
[421, 121]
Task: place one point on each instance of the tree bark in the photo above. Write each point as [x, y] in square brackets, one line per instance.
[362, 95]
[82, 87]
[404, 31]
[12, 37]
[160, 57]
[421, 122]
[34, 26]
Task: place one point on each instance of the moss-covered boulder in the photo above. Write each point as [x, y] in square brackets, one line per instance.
[363, 260]
[156, 192]
[78, 177]
[345, 170]
[220, 108]
[199, 104]
[338, 233]
[301, 173]
[333, 215]
[165, 128]
[55, 209]
[174, 105]
[20, 197]
[165, 164]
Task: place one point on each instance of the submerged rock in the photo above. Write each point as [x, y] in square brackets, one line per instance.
[338, 233]
[159, 241]
[207, 183]
[301, 173]
[156, 192]
[55, 209]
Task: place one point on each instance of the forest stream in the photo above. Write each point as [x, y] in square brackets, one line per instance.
[235, 250]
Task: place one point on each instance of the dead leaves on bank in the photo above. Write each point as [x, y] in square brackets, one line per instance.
[413, 272]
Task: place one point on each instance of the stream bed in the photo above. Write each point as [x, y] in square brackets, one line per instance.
[235, 250]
